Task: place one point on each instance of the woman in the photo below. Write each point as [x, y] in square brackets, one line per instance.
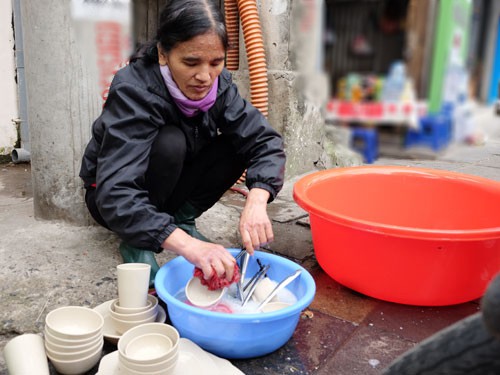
[173, 136]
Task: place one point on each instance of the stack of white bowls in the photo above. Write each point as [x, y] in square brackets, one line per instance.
[149, 349]
[73, 339]
[125, 318]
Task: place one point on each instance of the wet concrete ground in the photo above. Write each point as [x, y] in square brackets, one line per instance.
[342, 332]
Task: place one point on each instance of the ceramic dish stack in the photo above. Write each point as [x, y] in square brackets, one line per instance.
[125, 318]
[134, 306]
[149, 349]
[73, 339]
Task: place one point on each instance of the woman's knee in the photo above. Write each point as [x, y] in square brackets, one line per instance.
[170, 145]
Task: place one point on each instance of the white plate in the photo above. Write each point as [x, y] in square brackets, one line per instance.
[222, 366]
[108, 329]
[193, 360]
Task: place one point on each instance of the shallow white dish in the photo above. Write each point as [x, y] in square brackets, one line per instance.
[199, 294]
[193, 360]
[108, 330]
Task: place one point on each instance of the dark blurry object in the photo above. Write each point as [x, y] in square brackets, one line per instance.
[468, 347]
[393, 16]
[490, 306]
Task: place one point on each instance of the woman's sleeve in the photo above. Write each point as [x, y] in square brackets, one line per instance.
[254, 139]
[130, 120]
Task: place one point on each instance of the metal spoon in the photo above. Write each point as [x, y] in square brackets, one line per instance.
[240, 254]
[255, 280]
[280, 286]
[243, 271]
[261, 267]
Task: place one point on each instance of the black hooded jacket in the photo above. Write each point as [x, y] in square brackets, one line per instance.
[116, 158]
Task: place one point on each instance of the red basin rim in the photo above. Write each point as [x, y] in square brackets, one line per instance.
[314, 208]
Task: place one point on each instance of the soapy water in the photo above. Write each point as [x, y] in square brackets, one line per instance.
[231, 304]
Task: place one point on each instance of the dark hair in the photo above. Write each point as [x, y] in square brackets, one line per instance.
[182, 20]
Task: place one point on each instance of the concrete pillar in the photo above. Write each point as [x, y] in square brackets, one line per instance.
[62, 103]
[297, 87]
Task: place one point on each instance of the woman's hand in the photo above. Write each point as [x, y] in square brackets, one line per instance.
[255, 227]
[204, 255]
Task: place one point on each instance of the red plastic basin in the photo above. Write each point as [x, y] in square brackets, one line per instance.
[407, 235]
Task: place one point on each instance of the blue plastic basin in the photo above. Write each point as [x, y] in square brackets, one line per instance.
[235, 335]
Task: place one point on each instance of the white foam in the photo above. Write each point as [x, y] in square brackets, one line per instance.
[232, 300]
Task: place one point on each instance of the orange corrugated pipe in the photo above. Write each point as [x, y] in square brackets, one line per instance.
[233, 34]
[254, 45]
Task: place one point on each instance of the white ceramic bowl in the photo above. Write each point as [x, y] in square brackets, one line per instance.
[263, 288]
[167, 364]
[150, 346]
[273, 306]
[74, 322]
[122, 326]
[145, 314]
[144, 329]
[199, 294]
[72, 356]
[54, 346]
[54, 339]
[164, 371]
[133, 310]
[77, 366]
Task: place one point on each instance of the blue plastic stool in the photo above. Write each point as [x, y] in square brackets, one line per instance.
[434, 131]
[365, 141]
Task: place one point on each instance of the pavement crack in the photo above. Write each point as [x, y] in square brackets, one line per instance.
[43, 307]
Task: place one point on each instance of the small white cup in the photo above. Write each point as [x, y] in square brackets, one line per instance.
[25, 354]
[133, 284]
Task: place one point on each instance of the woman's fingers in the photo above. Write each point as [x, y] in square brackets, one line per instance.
[269, 234]
[229, 271]
[246, 239]
[207, 270]
[254, 237]
[216, 258]
[255, 226]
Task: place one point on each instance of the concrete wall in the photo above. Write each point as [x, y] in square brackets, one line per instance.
[297, 88]
[62, 105]
[8, 93]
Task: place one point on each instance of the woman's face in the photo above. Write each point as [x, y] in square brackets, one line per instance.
[195, 64]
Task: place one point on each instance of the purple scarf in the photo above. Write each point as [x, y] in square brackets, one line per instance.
[187, 106]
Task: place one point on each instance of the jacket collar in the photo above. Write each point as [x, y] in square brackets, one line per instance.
[158, 87]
